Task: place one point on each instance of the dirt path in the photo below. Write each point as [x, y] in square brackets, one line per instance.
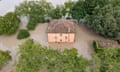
[83, 42]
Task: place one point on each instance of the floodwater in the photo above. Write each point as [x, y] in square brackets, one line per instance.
[83, 42]
[11, 44]
[9, 5]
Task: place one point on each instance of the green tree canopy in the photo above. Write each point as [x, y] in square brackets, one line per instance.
[108, 60]
[35, 10]
[9, 23]
[103, 16]
[33, 57]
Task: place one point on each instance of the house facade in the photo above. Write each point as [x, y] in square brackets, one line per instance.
[61, 31]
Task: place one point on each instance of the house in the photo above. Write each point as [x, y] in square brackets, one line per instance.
[61, 31]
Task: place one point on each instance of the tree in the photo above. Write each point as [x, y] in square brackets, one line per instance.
[111, 59]
[9, 23]
[33, 57]
[86, 7]
[58, 12]
[35, 10]
[106, 61]
[69, 4]
[78, 10]
[103, 21]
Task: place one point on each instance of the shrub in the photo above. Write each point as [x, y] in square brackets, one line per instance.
[4, 58]
[23, 34]
[95, 45]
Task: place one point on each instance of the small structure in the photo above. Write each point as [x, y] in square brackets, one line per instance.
[108, 43]
[61, 31]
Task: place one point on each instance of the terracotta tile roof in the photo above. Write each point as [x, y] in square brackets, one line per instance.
[61, 26]
[108, 43]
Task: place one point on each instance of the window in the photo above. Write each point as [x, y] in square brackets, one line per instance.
[60, 40]
[55, 37]
[65, 37]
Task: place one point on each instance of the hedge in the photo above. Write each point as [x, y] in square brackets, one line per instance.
[95, 46]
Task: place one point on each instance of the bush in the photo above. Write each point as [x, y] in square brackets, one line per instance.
[9, 23]
[4, 58]
[23, 34]
[95, 45]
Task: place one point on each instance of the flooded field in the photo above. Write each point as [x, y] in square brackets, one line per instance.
[83, 42]
[11, 44]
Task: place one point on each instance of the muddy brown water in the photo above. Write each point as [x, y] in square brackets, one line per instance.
[83, 42]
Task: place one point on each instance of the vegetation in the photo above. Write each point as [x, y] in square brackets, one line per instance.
[57, 12]
[101, 15]
[9, 23]
[38, 10]
[33, 57]
[95, 46]
[4, 58]
[107, 60]
[35, 10]
[23, 34]
[61, 10]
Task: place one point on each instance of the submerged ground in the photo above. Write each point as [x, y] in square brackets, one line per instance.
[83, 43]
